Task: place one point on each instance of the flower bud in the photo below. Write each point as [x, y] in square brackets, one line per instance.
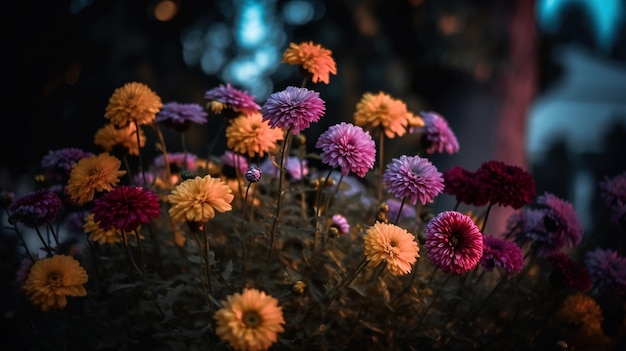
[253, 174]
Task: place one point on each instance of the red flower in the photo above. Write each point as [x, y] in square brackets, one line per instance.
[126, 207]
[505, 185]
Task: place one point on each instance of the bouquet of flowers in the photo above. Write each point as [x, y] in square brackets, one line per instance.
[256, 249]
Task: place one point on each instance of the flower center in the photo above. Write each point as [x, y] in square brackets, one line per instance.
[454, 239]
[54, 279]
[251, 319]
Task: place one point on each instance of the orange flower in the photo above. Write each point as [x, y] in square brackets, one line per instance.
[51, 280]
[313, 58]
[250, 134]
[249, 321]
[110, 136]
[104, 236]
[380, 110]
[95, 173]
[197, 199]
[392, 244]
[133, 103]
[582, 310]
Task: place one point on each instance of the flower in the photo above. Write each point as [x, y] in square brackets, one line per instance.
[111, 136]
[22, 273]
[391, 244]
[52, 279]
[177, 161]
[232, 161]
[57, 164]
[561, 218]
[341, 223]
[253, 174]
[413, 177]
[505, 185]
[249, 321]
[349, 147]
[613, 192]
[125, 207]
[581, 309]
[293, 109]
[569, 272]
[227, 97]
[197, 199]
[103, 236]
[133, 103]
[453, 242]
[501, 253]
[251, 135]
[438, 135]
[461, 183]
[607, 270]
[179, 116]
[95, 173]
[313, 58]
[296, 168]
[380, 110]
[35, 208]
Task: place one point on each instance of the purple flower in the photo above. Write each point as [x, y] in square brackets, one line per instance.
[341, 223]
[394, 207]
[125, 208]
[22, 272]
[505, 185]
[225, 96]
[413, 177]
[57, 164]
[569, 272]
[607, 270]
[35, 208]
[613, 192]
[232, 161]
[453, 242]
[180, 116]
[561, 218]
[349, 147]
[501, 253]
[438, 137]
[293, 109]
[253, 174]
[177, 160]
[295, 167]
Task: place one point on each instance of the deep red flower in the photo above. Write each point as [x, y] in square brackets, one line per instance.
[461, 183]
[35, 208]
[505, 185]
[126, 207]
[569, 272]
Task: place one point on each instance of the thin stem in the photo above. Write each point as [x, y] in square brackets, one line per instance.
[54, 234]
[207, 262]
[44, 242]
[400, 210]
[163, 148]
[245, 200]
[141, 255]
[482, 229]
[437, 294]
[23, 242]
[214, 141]
[128, 170]
[381, 144]
[129, 255]
[141, 168]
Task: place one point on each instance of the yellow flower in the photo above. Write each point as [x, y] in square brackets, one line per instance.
[111, 136]
[51, 280]
[133, 103]
[392, 244]
[249, 321]
[581, 310]
[95, 173]
[104, 236]
[250, 134]
[197, 199]
[380, 110]
[313, 58]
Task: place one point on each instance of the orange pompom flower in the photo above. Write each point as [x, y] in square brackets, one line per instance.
[389, 243]
[382, 111]
[313, 58]
[95, 173]
[111, 136]
[251, 135]
[197, 199]
[133, 103]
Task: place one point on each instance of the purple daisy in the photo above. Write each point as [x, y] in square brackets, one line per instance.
[180, 116]
[453, 242]
[505, 185]
[607, 270]
[293, 109]
[501, 253]
[126, 207]
[229, 97]
[461, 183]
[57, 164]
[438, 137]
[349, 147]
[569, 272]
[231, 161]
[413, 177]
[178, 161]
[613, 192]
[341, 223]
[35, 208]
[295, 167]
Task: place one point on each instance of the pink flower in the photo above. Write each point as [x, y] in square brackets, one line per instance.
[413, 177]
[293, 109]
[501, 253]
[349, 147]
[180, 116]
[437, 135]
[126, 207]
[225, 96]
[341, 223]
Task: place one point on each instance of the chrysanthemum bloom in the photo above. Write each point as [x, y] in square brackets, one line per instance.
[341, 223]
[413, 177]
[96, 173]
[461, 183]
[197, 199]
[391, 244]
[375, 111]
[177, 162]
[501, 253]
[561, 219]
[613, 192]
[110, 136]
[437, 135]
[568, 272]
[35, 208]
[57, 164]
[125, 207]
[453, 242]
[180, 116]
[231, 162]
[296, 168]
[133, 103]
[251, 135]
[581, 309]
[51, 280]
[348, 147]
[313, 58]
[253, 174]
[505, 185]
[226, 97]
[103, 236]
[293, 109]
[249, 321]
[607, 270]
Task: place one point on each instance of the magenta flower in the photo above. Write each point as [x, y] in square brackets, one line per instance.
[561, 218]
[341, 223]
[293, 109]
[295, 167]
[177, 160]
[180, 116]
[505, 185]
[126, 208]
[35, 208]
[501, 253]
[453, 242]
[57, 164]
[232, 161]
[613, 192]
[413, 177]
[607, 270]
[349, 147]
[461, 184]
[437, 135]
[569, 272]
[225, 96]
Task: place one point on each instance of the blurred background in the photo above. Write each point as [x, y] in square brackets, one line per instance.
[539, 84]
